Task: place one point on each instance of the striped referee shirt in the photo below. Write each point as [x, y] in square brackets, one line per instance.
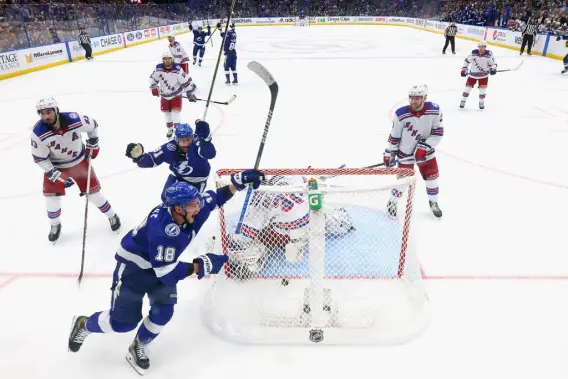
[451, 31]
[84, 39]
[530, 28]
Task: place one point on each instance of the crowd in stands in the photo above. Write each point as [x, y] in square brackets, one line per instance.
[25, 23]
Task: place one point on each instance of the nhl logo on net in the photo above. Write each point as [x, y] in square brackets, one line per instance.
[316, 335]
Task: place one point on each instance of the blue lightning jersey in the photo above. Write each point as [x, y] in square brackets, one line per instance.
[199, 38]
[230, 46]
[158, 241]
[192, 167]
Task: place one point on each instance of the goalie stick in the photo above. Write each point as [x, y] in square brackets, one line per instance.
[512, 69]
[263, 73]
[231, 99]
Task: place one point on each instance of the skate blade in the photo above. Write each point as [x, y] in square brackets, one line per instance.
[71, 331]
[130, 359]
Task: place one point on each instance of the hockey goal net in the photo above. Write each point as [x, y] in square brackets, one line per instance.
[343, 273]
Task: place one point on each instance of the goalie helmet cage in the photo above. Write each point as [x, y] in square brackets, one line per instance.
[345, 274]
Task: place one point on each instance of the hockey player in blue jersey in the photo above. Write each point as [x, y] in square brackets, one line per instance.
[230, 52]
[147, 264]
[199, 42]
[188, 155]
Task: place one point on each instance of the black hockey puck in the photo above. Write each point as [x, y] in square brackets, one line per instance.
[285, 282]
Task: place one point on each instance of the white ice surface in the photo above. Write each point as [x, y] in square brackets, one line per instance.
[497, 260]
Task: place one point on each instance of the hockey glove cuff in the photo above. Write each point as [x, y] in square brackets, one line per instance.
[93, 148]
[389, 158]
[210, 264]
[247, 177]
[422, 149]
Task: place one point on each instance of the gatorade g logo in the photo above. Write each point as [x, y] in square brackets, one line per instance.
[314, 200]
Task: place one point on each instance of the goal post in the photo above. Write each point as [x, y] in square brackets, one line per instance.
[320, 259]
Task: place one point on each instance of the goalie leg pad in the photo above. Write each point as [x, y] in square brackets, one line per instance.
[295, 251]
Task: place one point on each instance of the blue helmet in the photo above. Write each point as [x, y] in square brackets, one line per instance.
[183, 131]
[200, 28]
[181, 193]
[232, 25]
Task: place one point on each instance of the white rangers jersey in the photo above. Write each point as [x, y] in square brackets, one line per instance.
[179, 53]
[64, 147]
[409, 128]
[172, 82]
[479, 65]
[287, 214]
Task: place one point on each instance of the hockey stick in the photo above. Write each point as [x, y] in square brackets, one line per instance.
[218, 61]
[209, 39]
[512, 69]
[215, 102]
[371, 166]
[87, 190]
[259, 69]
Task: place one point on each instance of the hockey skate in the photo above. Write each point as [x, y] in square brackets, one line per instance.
[194, 60]
[199, 64]
[78, 333]
[462, 104]
[435, 209]
[137, 357]
[481, 106]
[235, 81]
[392, 208]
[170, 133]
[54, 233]
[564, 71]
[228, 82]
[114, 222]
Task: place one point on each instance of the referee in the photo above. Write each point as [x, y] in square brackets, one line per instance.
[529, 32]
[85, 42]
[450, 34]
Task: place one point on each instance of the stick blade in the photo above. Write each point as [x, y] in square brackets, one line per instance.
[261, 71]
[233, 98]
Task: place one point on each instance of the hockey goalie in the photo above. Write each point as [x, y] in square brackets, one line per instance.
[278, 223]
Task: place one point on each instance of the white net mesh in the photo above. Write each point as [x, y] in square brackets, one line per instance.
[345, 273]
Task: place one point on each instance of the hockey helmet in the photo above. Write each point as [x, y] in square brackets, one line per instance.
[232, 25]
[482, 43]
[183, 131]
[182, 193]
[47, 103]
[167, 54]
[200, 28]
[420, 90]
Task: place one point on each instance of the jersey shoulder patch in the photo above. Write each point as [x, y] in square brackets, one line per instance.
[171, 146]
[403, 112]
[41, 130]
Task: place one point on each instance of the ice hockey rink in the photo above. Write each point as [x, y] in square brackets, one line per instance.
[495, 266]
